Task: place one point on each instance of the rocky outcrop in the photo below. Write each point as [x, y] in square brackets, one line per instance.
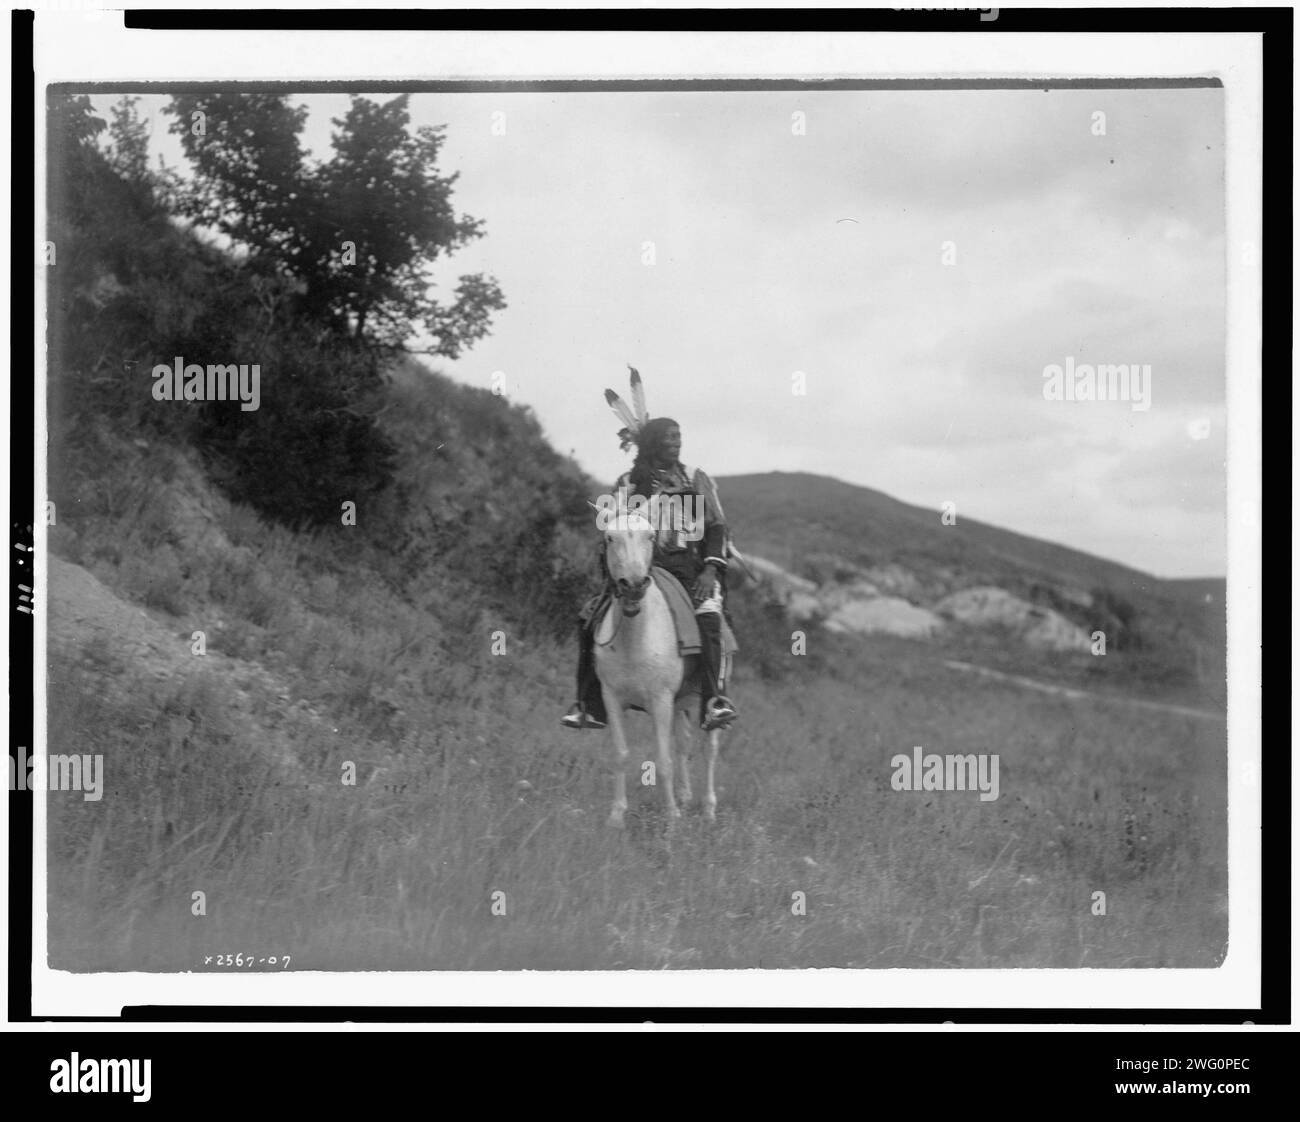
[888, 615]
[855, 603]
[889, 599]
[1038, 627]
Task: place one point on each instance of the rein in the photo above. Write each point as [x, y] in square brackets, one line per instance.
[623, 598]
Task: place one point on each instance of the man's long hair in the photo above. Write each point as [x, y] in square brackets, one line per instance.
[648, 448]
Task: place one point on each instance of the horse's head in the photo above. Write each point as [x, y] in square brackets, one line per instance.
[629, 553]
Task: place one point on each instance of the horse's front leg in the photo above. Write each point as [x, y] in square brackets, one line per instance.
[615, 715]
[663, 714]
[685, 735]
[710, 795]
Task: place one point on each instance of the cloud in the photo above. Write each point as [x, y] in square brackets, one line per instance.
[995, 232]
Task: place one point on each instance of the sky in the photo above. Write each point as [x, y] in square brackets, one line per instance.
[920, 258]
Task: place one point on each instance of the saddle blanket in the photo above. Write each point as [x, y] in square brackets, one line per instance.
[683, 613]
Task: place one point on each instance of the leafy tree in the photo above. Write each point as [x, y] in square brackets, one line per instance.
[94, 221]
[359, 231]
[128, 152]
[249, 181]
[71, 129]
[130, 289]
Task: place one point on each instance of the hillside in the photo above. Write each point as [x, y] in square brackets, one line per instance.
[351, 769]
[785, 512]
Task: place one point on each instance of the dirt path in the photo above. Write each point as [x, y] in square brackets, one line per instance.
[1082, 695]
[84, 614]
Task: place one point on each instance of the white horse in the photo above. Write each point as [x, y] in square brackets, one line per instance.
[638, 664]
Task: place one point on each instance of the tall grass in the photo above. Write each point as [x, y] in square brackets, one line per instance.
[468, 787]
[355, 650]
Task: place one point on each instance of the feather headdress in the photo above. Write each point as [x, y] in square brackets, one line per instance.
[634, 417]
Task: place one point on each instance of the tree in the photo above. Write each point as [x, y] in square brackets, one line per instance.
[128, 151]
[72, 129]
[359, 231]
[131, 288]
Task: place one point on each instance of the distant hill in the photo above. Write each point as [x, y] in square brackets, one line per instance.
[787, 515]
[1203, 590]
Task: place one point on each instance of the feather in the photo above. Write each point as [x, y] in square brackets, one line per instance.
[622, 412]
[638, 397]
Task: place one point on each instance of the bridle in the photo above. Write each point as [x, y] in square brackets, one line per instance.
[629, 598]
[630, 595]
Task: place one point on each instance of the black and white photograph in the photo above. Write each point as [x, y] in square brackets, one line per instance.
[674, 524]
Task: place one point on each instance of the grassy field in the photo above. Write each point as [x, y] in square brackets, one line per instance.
[224, 776]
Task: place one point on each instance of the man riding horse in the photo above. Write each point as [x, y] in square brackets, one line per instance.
[696, 554]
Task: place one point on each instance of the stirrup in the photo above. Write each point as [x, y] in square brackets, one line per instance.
[579, 718]
[718, 713]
